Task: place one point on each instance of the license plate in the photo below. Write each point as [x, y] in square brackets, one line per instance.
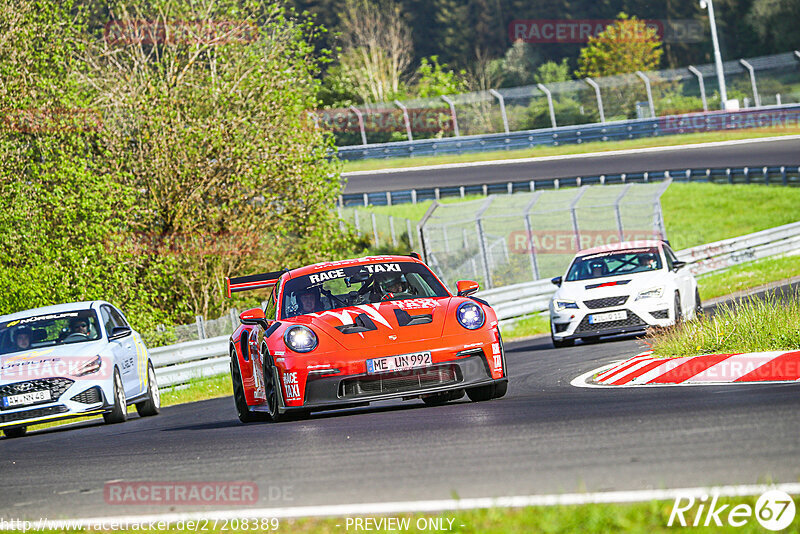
[399, 363]
[606, 317]
[23, 399]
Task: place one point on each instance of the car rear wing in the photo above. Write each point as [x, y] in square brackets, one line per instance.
[253, 281]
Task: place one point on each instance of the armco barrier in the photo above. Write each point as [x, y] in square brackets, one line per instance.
[177, 364]
[785, 175]
[786, 116]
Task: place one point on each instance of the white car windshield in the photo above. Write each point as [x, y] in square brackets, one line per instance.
[614, 263]
[50, 329]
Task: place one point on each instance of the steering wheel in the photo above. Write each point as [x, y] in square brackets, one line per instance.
[76, 336]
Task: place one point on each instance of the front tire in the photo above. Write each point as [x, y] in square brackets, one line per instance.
[242, 410]
[119, 413]
[561, 343]
[678, 309]
[151, 405]
[16, 432]
[272, 391]
[698, 305]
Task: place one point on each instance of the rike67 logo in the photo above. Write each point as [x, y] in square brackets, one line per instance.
[774, 510]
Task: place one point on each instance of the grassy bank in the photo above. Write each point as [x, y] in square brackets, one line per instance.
[584, 148]
[748, 275]
[753, 325]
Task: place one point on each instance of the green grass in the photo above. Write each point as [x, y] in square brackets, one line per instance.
[753, 325]
[748, 275]
[645, 518]
[598, 146]
[527, 327]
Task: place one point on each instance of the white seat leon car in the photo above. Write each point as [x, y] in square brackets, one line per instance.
[620, 289]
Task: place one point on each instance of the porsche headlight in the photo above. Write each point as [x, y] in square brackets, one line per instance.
[300, 338]
[561, 304]
[92, 366]
[652, 293]
[470, 316]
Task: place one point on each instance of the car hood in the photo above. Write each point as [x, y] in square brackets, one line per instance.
[44, 362]
[611, 286]
[370, 325]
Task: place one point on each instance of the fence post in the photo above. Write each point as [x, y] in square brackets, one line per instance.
[573, 211]
[360, 124]
[388, 198]
[234, 318]
[549, 96]
[619, 213]
[365, 196]
[201, 327]
[529, 230]
[502, 101]
[452, 114]
[405, 118]
[646, 80]
[374, 229]
[421, 229]
[410, 234]
[482, 242]
[702, 83]
[391, 230]
[596, 87]
[749, 67]
[357, 222]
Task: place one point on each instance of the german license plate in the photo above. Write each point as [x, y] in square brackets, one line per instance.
[399, 363]
[606, 317]
[23, 399]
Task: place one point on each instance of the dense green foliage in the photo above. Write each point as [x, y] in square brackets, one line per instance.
[143, 168]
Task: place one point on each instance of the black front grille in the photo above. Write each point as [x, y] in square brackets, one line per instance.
[660, 314]
[90, 396]
[606, 302]
[56, 386]
[400, 382]
[631, 320]
[29, 414]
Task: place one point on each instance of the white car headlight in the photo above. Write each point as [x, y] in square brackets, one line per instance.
[89, 367]
[562, 304]
[470, 316]
[300, 338]
[652, 293]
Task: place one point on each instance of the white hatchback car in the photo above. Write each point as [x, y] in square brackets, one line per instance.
[619, 289]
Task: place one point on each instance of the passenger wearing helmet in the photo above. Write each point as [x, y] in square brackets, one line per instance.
[648, 261]
[22, 338]
[393, 285]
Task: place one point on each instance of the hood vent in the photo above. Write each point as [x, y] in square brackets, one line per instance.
[362, 323]
[406, 319]
[608, 284]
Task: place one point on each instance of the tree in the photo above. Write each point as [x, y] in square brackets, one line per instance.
[552, 72]
[377, 48]
[434, 79]
[626, 46]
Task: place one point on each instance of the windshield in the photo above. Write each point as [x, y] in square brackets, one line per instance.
[50, 329]
[614, 263]
[361, 284]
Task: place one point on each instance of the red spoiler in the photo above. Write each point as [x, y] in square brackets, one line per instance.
[253, 281]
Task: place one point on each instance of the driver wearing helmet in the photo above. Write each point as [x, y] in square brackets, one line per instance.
[310, 301]
[597, 268]
[391, 285]
[648, 261]
[22, 338]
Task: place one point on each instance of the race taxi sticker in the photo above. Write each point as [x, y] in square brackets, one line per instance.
[416, 304]
[291, 386]
[326, 275]
[498, 360]
[383, 268]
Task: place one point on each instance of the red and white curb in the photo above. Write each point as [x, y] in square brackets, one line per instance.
[644, 369]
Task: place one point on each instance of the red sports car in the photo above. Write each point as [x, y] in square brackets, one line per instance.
[345, 333]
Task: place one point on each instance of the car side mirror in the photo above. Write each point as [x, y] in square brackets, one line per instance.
[119, 332]
[253, 317]
[556, 281]
[467, 287]
[676, 265]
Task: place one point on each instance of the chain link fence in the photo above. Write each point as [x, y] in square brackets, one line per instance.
[754, 82]
[509, 239]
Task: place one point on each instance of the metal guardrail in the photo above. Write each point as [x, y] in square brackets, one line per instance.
[610, 131]
[786, 175]
[179, 363]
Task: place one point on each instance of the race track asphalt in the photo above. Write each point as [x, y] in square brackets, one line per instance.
[544, 437]
[753, 154]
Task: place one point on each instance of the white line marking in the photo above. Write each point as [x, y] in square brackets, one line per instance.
[572, 156]
[611, 378]
[388, 508]
[664, 368]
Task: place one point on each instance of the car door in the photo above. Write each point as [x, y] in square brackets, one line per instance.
[123, 348]
[683, 279]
